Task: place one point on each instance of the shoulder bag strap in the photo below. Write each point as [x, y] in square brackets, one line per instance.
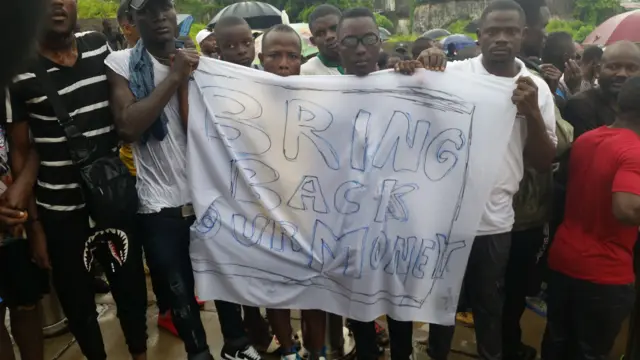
[79, 145]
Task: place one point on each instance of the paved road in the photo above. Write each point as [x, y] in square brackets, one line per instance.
[163, 345]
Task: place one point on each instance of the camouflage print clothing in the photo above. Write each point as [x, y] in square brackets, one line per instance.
[532, 204]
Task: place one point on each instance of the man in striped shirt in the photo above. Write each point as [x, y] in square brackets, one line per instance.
[75, 64]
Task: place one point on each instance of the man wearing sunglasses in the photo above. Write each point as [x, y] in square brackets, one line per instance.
[359, 48]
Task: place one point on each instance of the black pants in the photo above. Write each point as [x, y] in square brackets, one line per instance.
[400, 336]
[67, 233]
[583, 318]
[633, 341]
[522, 279]
[22, 282]
[483, 283]
[166, 244]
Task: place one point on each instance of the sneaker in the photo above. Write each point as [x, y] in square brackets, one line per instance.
[382, 336]
[248, 353]
[303, 353]
[274, 345]
[525, 352]
[537, 305]
[165, 321]
[293, 356]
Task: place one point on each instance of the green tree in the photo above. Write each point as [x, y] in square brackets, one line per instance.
[96, 9]
[594, 12]
[384, 22]
[202, 11]
[301, 9]
[578, 29]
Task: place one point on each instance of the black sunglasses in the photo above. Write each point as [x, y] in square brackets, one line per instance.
[366, 40]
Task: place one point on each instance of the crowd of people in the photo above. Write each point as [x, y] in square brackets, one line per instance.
[564, 211]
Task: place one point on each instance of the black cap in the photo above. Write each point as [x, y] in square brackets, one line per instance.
[140, 4]
[137, 4]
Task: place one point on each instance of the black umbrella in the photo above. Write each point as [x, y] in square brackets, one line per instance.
[435, 34]
[258, 14]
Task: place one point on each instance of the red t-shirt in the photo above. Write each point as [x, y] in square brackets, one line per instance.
[591, 244]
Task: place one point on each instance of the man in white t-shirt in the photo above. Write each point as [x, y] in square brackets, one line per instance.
[323, 23]
[146, 82]
[533, 137]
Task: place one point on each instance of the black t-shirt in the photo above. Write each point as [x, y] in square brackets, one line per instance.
[588, 110]
[85, 93]
[114, 40]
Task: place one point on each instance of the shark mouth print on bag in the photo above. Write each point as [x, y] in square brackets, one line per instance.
[113, 242]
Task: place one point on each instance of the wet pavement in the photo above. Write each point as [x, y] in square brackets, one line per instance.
[163, 345]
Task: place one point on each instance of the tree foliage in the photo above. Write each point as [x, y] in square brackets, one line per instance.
[594, 12]
[384, 22]
[201, 10]
[204, 10]
[97, 9]
[578, 29]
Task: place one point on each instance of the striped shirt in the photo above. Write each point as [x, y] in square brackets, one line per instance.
[84, 91]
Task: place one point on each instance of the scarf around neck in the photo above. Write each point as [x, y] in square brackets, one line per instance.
[141, 83]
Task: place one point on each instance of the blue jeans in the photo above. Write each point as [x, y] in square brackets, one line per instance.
[166, 244]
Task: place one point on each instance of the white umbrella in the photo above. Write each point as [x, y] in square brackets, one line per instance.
[285, 17]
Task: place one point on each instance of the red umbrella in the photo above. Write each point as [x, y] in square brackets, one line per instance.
[620, 27]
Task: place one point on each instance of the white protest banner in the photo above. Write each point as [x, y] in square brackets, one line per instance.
[358, 196]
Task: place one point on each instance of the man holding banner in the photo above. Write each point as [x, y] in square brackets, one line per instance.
[533, 137]
[360, 197]
[144, 84]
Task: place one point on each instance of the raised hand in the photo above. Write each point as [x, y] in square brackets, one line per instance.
[433, 59]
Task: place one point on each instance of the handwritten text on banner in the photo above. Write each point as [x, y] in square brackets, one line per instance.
[360, 197]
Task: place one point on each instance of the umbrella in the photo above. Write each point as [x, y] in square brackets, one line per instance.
[302, 29]
[620, 27]
[435, 34]
[258, 14]
[285, 17]
[384, 34]
[184, 24]
[460, 41]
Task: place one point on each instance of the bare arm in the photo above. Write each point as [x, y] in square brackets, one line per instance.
[25, 163]
[133, 117]
[626, 208]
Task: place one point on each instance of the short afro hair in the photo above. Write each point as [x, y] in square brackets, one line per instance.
[124, 14]
[556, 46]
[629, 95]
[531, 10]
[322, 11]
[354, 13]
[502, 5]
[280, 28]
[226, 22]
[592, 53]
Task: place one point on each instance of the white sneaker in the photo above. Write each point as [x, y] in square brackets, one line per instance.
[293, 356]
[248, 353]
[273, 346]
